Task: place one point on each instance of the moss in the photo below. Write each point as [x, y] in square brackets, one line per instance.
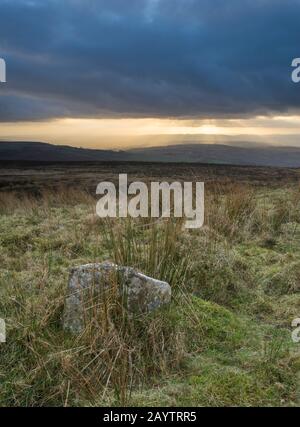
[224, 340]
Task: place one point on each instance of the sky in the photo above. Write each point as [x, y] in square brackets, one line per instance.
[114, 73]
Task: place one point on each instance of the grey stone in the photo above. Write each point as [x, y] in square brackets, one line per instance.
[141, 294]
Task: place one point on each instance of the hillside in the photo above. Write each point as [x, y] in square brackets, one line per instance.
[242, 154]
[40, 151]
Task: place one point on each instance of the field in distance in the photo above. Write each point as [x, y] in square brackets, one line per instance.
[225, 338]
[32, 176]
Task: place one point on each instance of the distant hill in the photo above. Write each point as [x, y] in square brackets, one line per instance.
[223, 154]
[40, 151]
[200, 153]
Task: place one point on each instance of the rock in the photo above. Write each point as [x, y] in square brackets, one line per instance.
[141, 294]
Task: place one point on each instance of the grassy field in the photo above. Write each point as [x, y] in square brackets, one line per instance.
[225, 340]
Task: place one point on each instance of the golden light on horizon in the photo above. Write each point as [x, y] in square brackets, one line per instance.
[128, 132]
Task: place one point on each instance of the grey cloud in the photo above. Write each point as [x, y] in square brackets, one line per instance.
[163, 58]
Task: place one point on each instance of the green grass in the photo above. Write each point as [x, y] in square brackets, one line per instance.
[225, 340]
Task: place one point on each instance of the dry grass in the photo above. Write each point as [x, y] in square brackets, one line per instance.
[227, 281]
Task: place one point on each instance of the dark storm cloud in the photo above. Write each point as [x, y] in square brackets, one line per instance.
[180, 58]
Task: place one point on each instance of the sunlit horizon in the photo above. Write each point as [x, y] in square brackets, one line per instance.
[122, 133]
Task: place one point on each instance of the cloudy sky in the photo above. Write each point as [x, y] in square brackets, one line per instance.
[108, 72]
